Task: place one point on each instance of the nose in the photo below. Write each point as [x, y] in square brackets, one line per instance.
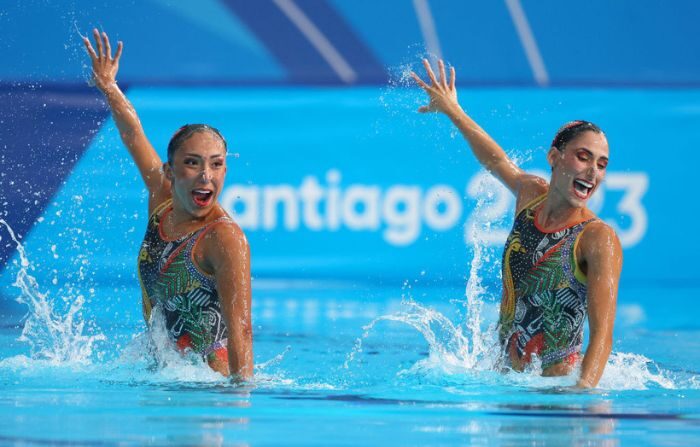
[205, 175]
[593, 170]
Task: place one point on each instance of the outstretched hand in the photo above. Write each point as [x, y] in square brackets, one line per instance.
[104, 66]
[443, 94]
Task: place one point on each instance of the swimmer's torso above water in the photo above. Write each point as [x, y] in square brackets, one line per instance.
[185, 295]
[544, 304]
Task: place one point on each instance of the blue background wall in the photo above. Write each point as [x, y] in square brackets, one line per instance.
[333, 114]
[599, 42]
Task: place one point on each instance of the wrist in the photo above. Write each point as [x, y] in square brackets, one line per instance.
[457, 115]
[109, 88]
[454, 111]
[583, 383]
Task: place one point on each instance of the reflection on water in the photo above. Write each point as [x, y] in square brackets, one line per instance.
[567, 424]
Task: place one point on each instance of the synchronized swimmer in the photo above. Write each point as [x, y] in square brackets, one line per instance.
[561, 263]
[194, 263]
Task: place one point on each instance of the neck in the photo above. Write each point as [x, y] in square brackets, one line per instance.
[557, 213]
[180, 216]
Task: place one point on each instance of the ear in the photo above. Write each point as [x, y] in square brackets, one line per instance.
[553, 156]
[168, 171]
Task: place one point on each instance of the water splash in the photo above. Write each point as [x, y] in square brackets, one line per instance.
[402, 97]
[52, 336]
[58, 343]
[627, 371]
[469, 353]
[274, 361]
[453, 348]
[152, 357]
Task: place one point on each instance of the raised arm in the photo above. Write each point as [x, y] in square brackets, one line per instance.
[226, 251]
[104, 70]
[601, 250]
[443, 98]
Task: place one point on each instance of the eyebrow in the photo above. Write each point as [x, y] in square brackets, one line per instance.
[591, 153]
[188, 154]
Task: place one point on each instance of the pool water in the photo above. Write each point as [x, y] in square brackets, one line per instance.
[341, 364]
[391, 346]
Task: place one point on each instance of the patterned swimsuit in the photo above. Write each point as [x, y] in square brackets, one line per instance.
[186, 296]
[544, 301]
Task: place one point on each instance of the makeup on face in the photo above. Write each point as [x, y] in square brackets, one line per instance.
[583, 164]
[199, 171]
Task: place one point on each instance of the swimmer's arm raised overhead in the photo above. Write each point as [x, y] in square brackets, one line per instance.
[227, 254]
[104, 69]
[443, 98]
[601, 250]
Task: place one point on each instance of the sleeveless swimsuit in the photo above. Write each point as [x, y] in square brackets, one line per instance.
[186, 296]
[544, 301]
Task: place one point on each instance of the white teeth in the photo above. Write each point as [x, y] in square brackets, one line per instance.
[582, 188]
[201, 191]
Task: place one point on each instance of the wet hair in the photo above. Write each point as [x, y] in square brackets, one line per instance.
[182, 134]
[571, 130]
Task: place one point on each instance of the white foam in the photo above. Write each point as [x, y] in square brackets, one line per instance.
[54, 336]
[627, 371]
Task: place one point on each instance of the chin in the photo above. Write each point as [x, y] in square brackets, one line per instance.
[577, 202]
[198, 212]
[201, 211]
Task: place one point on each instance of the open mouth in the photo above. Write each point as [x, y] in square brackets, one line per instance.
[202, 197]
[582, 188]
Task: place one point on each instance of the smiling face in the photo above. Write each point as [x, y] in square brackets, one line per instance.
[197, 173]
[579, 167]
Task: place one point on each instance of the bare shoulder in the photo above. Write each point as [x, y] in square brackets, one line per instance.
[157, 199]
[530, 188]
[600, 240]
[224, 245]
[226, 235]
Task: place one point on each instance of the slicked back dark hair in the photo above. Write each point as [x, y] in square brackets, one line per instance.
[186, 131]
[571, 130]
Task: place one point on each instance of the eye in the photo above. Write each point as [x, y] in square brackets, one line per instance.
[217, 164]
[602, 165]
[190, 161]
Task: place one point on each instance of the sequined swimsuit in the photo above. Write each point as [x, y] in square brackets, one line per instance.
[544, 301]
[187, 297]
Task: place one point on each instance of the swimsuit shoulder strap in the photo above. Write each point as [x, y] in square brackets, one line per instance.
[199, 234]
[532, 204]
[160, 209]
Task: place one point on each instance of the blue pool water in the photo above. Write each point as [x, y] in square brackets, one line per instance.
[395, 349]
[315, 386]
